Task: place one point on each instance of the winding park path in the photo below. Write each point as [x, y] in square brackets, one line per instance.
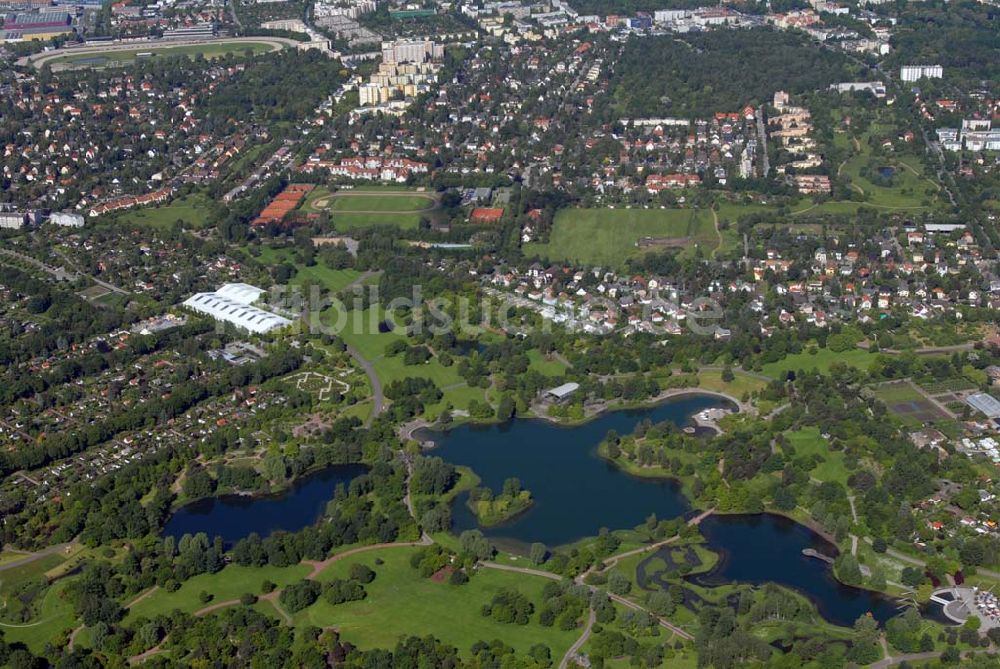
[578, 644]
[378, 395]
[617, 598]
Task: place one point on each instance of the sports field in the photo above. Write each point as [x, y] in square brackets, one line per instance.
[120, 58]
[610, 236]
[364, 207]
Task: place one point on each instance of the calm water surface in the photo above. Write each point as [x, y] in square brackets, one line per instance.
[576, 492]
[765, 548]
[233, 517]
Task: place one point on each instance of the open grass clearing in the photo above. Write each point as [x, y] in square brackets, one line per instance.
[608, 237]
[230, 583]
[333, 280]
[809, 441]
[362, 331]
[821, 360]
[193, 211]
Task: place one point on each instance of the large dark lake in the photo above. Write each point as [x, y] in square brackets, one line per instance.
[576, 492]
[235, 516]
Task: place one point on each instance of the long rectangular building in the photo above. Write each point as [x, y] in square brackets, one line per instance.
[231, 303]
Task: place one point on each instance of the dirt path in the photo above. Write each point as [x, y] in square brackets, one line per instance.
[145, 655]
[718, 233]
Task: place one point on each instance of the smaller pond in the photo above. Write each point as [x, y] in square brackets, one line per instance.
[887, 172]
[767, 548]
[234, 517]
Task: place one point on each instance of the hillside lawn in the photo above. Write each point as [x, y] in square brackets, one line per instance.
[233, 581]
[742, 383]
[400, 603]
[55, 619]
[54, 613]
[809, 441]
[608, 237]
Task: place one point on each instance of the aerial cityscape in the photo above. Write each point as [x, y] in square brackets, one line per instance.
[511, 334]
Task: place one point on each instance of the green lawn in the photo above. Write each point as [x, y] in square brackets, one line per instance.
[742, 383]
[228, 584]
[128, 56]
[54, 614]
[361, 331]
[55, 619]
[193, 211]
[546, 366]
[609, 236]
[400, 603]
[334, 280]
[809, 441]
[821, 360]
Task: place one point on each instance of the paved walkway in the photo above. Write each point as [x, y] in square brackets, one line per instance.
[31, 557]
[571, 654]
[618, 598]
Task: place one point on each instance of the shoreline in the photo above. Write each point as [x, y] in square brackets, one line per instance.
[410, 430]
[254, 496]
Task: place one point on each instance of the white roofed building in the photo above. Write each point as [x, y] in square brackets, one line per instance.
[231, 303]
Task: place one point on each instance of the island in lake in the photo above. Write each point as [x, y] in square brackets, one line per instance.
[494, 509]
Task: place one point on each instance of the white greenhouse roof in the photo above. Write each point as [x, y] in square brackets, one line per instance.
[243, 293]
[242, 315]
[985, 403]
